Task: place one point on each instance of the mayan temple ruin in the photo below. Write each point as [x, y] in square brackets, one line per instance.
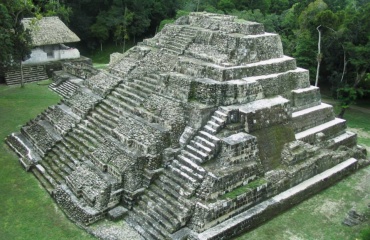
[204, 131]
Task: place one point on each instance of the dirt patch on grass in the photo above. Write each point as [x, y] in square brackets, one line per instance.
[360, 132]
[291, 236]
[329, 208]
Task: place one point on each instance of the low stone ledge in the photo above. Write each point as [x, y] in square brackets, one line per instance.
[283, 201]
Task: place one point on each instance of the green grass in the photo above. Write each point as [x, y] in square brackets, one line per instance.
[242, 189]
[27, 211]
[102, 57]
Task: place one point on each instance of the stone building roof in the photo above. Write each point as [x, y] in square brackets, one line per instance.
[49, 30]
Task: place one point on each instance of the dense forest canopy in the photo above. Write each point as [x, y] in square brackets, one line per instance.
[343, 27]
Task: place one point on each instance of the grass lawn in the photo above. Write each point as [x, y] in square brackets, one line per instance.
[27, 211]
[102, 57]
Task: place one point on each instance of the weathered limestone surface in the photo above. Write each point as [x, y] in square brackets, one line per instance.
[200, 132]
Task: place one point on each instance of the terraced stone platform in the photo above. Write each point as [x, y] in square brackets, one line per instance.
[192, 134]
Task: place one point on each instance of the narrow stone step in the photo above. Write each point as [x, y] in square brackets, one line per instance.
[57, 178]
[174, 185]
[196, 152]
[330, 129]
[209, 137]
[148, 85]
[137, 223]
[201, 147]
[154, 227]
[126, 92]
[183, 175]
[213, 125]
[209, 129]
[205, 142]
[43, 180]
[127, 99]
[192, 157]
[348, 139]
[221, 115]
[189, 163]
[219, 121]
[186, 170]
[154, 210]
[161, 207]
[169, 204]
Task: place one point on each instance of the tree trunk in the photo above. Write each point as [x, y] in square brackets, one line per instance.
[318, 56]
[22, 79]
[344, 64]
[124, 45]
[101, 46]
[341, 114]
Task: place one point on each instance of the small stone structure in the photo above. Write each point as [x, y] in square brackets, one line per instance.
[48, 35]
[201, 132]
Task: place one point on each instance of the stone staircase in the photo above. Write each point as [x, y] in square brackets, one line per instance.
[319, 118]
[62, 159]
[179, 42]
[165, 206]
[30, 74]
[129, 97]
[66, 89]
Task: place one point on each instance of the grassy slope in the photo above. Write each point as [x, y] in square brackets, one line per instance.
[27, 211]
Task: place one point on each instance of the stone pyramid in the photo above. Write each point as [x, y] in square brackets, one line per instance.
[201, 132]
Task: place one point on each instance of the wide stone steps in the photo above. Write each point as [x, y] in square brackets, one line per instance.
[147, 209]
[58, 166]
[174, 185]
[64, 164]
[30, 74]
[151, 225]
[156, 211]
[139, 87]
[187, 170]
[126, 99]
[185, 176]
[203, 156]
[91, 133]
[65, 89]
[98, 126]
[52, 172]
[188, 162]
[311, 117]
[121, 106]
[348, 139]
[105, 120]
[180, 39]
[136, 221]
[164, 205]
[45, 178]
[78, 149]
[83, 143]
[108, 110]
[60, 150]
[148, 85]
[330, 129]
[128, 92]
[197, 160]
[125, 89]
[209, 137]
